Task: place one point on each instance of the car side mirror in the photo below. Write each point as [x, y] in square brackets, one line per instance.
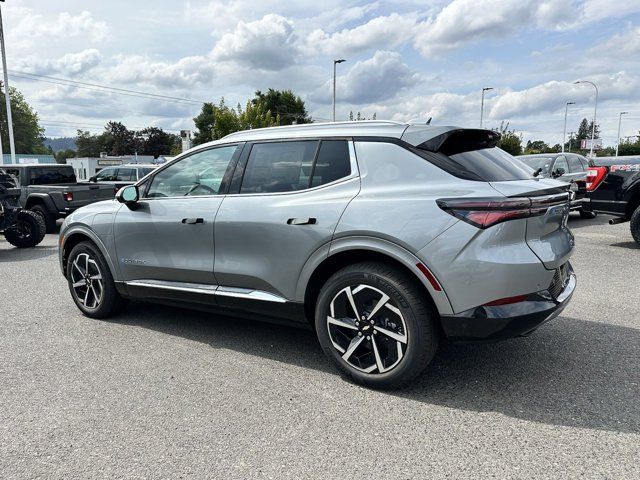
[93, 179]
[128, 195]
[559, 172]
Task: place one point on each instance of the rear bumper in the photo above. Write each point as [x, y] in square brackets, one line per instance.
[508, 321]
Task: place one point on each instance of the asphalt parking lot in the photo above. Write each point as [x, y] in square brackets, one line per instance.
[161, 392]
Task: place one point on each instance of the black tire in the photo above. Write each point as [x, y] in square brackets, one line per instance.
[110, 301]
[635, 225]
[49, 220]
[28, 231]
[421, 334]
[586, 215]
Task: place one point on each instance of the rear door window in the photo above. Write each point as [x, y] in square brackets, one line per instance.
[279, 167]
[333, 162]
[575, 166]
[126, 175]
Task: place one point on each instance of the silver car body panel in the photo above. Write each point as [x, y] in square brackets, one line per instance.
[247, 247]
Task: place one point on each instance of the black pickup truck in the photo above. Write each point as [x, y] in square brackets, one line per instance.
[613, 187]
[51, 190]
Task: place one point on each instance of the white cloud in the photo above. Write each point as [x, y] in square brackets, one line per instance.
[68, 64]
[380, 32]
[623, 45]
[268, 44]
[383, 76]
[465, 21]
[186, 72]
[551, 96]
[63, 25]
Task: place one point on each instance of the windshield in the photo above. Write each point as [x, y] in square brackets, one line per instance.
[538, 162]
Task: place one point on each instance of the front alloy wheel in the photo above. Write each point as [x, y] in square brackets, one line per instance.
[86, 281]
[367, 328]
[91, 283]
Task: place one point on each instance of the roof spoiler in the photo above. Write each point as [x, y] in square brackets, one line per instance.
[461, 140]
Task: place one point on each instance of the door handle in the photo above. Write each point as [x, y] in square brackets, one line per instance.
[191, 221]
[301, 221]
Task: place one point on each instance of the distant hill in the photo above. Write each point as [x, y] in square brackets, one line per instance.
[61, 143]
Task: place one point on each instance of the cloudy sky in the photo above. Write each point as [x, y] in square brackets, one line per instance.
[406, 59]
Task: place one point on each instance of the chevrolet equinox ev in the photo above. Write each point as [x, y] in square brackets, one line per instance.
[386, 237]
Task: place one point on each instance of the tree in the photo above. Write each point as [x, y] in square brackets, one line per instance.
[204, 123]
[509, 141]
[27, 132]
[155, 141]
[88, 145]
[217, 121]
[62, 155]
[536, 146]
[584, 133]
[118, 140]
[284, 104]
[359, 117]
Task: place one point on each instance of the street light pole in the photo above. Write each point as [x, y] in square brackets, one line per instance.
[564, 130]
[485, 89]
[595, 111]
[335, 62]
[7, 97]
[618, 137]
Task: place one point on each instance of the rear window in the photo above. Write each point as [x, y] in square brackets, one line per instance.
[51, 176]
[485, 165]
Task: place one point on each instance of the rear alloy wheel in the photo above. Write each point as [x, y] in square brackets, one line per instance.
[90, 282]
[367, 329]
[375, 324]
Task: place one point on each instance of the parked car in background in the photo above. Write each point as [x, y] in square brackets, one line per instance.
[384, 236]
[565, 167]
[122, 175]
[51, 190]
[613, 185]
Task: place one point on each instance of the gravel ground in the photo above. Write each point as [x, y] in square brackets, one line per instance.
[162, 392]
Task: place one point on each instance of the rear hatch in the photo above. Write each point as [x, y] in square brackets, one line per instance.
[547, 234]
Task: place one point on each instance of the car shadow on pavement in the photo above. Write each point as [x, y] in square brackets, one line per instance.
[631, 245]
[575, 222]
[13, 254]
[571, 372]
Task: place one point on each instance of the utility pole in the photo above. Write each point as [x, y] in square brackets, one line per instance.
[618, 137]
[335, 62]
[7, 97]
[564, 130]
[595, 111]
[485, 89]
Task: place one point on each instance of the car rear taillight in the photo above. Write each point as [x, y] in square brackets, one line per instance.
[486, 212]
[595, 175]
[68, 196]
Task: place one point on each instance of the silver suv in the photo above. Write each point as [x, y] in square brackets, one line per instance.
[385, 237]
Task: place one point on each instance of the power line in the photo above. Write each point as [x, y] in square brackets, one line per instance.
[100, 88]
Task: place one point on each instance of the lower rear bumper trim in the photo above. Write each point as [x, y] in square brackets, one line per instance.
[495, 323]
